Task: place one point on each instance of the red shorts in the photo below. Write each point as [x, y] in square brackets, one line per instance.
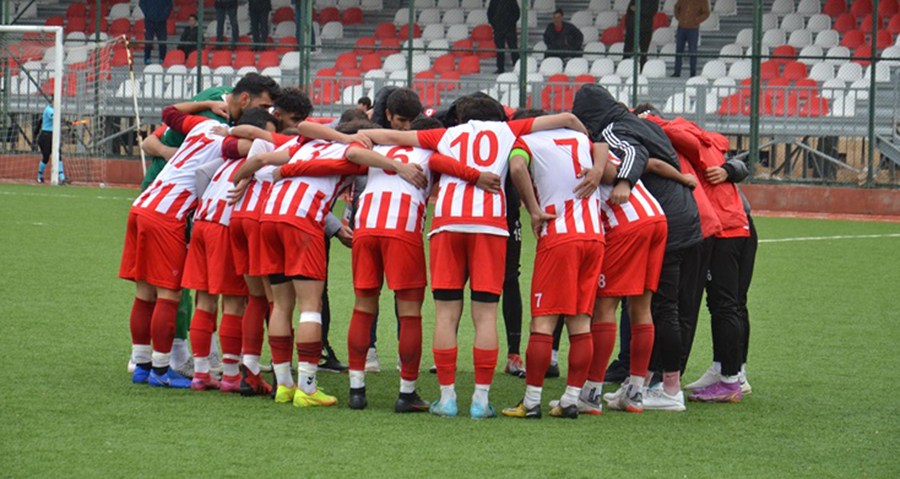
[245, 245]
[565, 278]
[291, 251]
[210, 263]
[402, 262]
[477, 257]
[154, 251]
[633, 261]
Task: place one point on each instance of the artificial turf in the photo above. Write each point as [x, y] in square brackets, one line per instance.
[823, 366]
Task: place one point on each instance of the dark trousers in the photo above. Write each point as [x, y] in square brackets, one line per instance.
[722, 299]
[259, 26]
[220, 24]
[158, 31]
[745, 276]
[664, 308]
[326, 307]
[694, 271]
[646, 25]
[512, 294]
[689, 37]
[45, 143]
[510, 41]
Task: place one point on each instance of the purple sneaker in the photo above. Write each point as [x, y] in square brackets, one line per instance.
[718, 392]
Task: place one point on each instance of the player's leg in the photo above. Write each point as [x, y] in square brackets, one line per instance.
[140, 321]
[667, 341]
[202, 329]
[553, 369]
[630, 396]
[329, 362]
[486, 261]
[449, 274]
[603, 336]
[231, 336]
[162, 332]
[694, 273]
[181, 359]
[309, 343]
[409, 310]
[537, 360]
[281, 341]
[45, 143]
[512, 295]
[748, 258]
[581, 351]
[358, 336]
[253, 331]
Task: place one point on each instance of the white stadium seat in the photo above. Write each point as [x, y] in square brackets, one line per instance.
[654, 68]
[782, 7]
[615, 51]
[809, 8]
[837, 55]
[576, 66]
[284, 30]
[544, 6]
[121, 10]
[882, 73]
[402, 17]
[715, 69]
[663, 36]
[453, 17]
[711, 24]
[669, 6]
[818, 22]
[731, 49]
[744, 38]
[594, 51]
[583, 18]
[438, 48]
[725, 8]
[850, 72]
[833, 89]
[792, 23]
[603, 67]
[769, 21]
[551, 66]
[844, 106]
[477, 17]
[815, 53]
[800, 39]
[774, 38]
[433, 32]
[428, 17]
[532, 66]
[373, 77]
[599, 6]
[457, 32]
[621, 6]
[606, 19]
[679, 103]
[828, 38]
[590, 34]
[394, 63]
[539, 50]
[625, 68]
[290, 61]
[891, 56]
[471, 4]
[398, 78]
[821, 72]
[740, 70]
[369, 5]
[448, 4]
[332, 31]
[345, 4]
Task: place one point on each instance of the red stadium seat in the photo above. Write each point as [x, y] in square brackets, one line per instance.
[806, 88]
[372, 61]
[170, 26]
[444, 64]
[184, 12]
[555, 95]
[860, 8]
[244, 59]
[345, 61]
[191, 60]
[404, 32]
[885, 40]
[385, 30]
[352, 16]
[463, 48]
[815, 106]
[427, 88]
[283, 14]
[794, 71]
[120, 26]
[483, 49]
[76, 10]
[449, 80]
[853, 39]
[173, 57]
[866, 25]
[863, 55]
[888, 8]
[739, 104]
[351, 77]
[325, 89]
[92, 25]
[612, 35]
[268, 59]
[784, 51]
[389, 46]
[845, 23]
[835, 8]
[220, 58]
[137, 30]
[469, 65]
[243, 39]
[76, 24]
[328, 15]
[120, 57]
[660, 20]
[770, 70]
[364, 42]
[482, 33]
[69, 86]
[894, 25]
[287, 45]
[55, 22]
[584, 79]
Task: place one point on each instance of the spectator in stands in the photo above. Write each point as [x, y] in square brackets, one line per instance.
[189, 36]
[690, 14]
[156, 17]
[227, 7]
[563, 37]
[364, 104]
[259, 22]
[648, 11]
[503, 15]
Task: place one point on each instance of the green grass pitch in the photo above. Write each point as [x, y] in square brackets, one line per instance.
[823, 366]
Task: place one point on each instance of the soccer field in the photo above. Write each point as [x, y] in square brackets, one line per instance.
[823, 365]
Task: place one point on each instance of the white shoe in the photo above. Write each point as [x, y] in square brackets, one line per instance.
[710, 377]
[628, 398]
[656, 398]
[745, 386]
[131, 366]
[584, 407]
[373, 361]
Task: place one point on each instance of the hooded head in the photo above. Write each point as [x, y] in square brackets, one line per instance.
[596, 108]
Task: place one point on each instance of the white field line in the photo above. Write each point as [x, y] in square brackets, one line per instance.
[826, 238]
[62, 195]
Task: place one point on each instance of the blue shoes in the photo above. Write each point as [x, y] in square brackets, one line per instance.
[140, 375]
[478, 411]
[170, 379]
[444, 408]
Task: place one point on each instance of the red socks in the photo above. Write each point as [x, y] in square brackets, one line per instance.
[358, 339]
[253, 325]
[310, 352]
[485, 361]
[604, 339]
[445, 362]
[230, 337]
[202, 327]
[162, 325]
[410, 346]
[281, 349]
[537, 358]
[641, 348]
[581, 351]
[141, 317]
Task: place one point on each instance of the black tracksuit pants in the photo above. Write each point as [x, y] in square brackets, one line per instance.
[512, 294]
[664, 307]
[695, 270]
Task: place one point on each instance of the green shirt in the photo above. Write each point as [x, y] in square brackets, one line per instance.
[174, 138]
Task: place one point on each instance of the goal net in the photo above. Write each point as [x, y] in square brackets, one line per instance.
[75, 76]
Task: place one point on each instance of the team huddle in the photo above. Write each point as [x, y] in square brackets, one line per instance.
[628, 208]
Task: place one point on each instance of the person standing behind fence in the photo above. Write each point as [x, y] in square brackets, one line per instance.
[562, 36]
[188, 41]
[227, 7]
[648, 11]
[45, 142]
[690, 14]
[503, 16]
[156, 17]
[259, 22]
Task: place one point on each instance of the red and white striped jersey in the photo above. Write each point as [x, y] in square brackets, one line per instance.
[214, 205]
[557, 157]
[389, 205]
[640, 208]
[251, 204]
[174, 193]
[485, 146]
[304, 201]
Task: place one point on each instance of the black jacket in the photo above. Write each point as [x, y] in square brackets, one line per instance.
[188, 40]
[570, 38]
[260, 5]
[648, 8]
[226, 4]
[503, 15]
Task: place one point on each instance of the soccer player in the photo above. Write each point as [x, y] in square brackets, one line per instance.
[210, 269]
[293, 249]
[155, 245]
[566, 221]
[45, 142]
[468, 237]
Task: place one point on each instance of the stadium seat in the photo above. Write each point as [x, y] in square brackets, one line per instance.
[394, 62]
[612, 36]
[893, 26]
[425, 85]
[819, 22]
[433, 32]
[853, 39]
[454, 17]
[770, 70]
[861, 8]
[625, 68]
[602, 67]
[290, 61]
[285, 30]
[800, 38]
[663, 36]
[352, 16]
[833, 88]
[544, 6]
[740, 70]
[606, 19]
[457, 32]
[782, 7]
[731, 53]
[420, 63]
[369, 5]
[267, 59]
[328, 15]
[770, 21]
[448, 4]
[325, 90]
[244, 58]
[469, 65]
[788, 52]
[252, 69]
[283, 14]
[220, 58]
[557, 93]
[882, 73]
[600, 6]
[888, 8]
[444, 64]
[584, 18]
[866, 25]
[792, 22]
[590, 34]
[834, 8]
[551, 66]
[576, 66]
[656, 68]
[431, 16]
[744, 38]
[661, 20]
[845, 23]
[811, 54]
[863, 55]
[389, 46]
[483, 32]
[837, 55]
[794, 71]
[891, 56]
[371, 61]
[347, 4]
[371, 76]
[827, 39]
[774, 38]
[349, 78]
[593, 51]
[403, 32]
[477, 17]
[714, 69]
[332, 31]
[711, 24]
[884, 40]
[364, 46]
[483, 49]
[462, 48]
[385, 30]
[438, 48]
[850, 72]
[621, 6]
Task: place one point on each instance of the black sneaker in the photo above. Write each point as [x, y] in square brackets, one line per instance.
[330, 362]
[616, 372]
[567, 412]
[358, 398]
[552, 371]
[410, 402]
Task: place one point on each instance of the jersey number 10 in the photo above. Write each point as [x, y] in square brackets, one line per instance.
[463, 141]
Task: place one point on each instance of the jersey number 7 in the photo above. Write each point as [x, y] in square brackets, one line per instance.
[573, 144]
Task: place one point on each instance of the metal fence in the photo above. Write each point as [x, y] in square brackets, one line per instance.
[797, 114]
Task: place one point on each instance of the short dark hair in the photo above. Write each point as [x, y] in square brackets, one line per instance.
[404, 102]
[479, 107]
[559, 11]
[350, 128]
[257, 117]
[193, 16]
[365, 101]
[523, 113]
[292, 100]
[644, 107]
[425, 123]
[255, 84]
[352, 114]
